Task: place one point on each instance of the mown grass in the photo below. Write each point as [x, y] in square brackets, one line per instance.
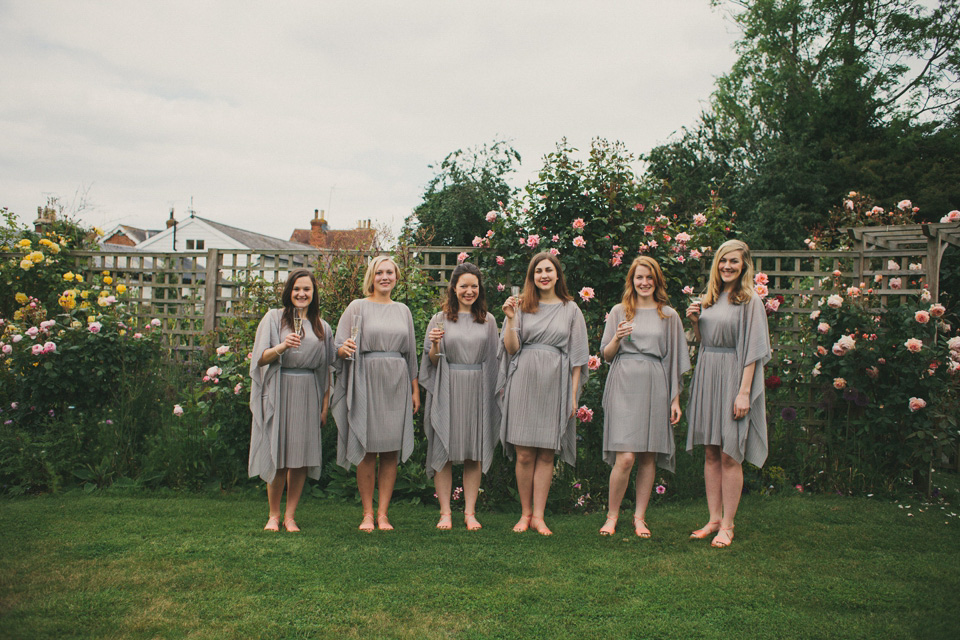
[107, 566]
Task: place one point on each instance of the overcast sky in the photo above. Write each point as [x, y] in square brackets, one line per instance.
[263, 112]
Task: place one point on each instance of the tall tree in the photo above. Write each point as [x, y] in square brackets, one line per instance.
[467, 184]
[826, 96]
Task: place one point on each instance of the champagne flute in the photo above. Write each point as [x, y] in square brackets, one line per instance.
[297, 325]
[515, 293]
[440, 344]
[355, 331]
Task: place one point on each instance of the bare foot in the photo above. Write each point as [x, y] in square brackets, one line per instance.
[273, 524]
[706, 530]
[291, 525]
[640, 527]
[366, 525]
[723, 538]
[522, 524]
[470, 519]
[540, 526]
[383, 523]
[610, 526]
[446, 521]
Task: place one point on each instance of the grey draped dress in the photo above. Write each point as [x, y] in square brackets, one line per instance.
[644, 377]
[372, 401]
[286, 397]
[536, 381]
[461, 417]
[731, 337]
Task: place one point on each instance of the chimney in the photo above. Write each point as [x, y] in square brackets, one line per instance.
[171, 221]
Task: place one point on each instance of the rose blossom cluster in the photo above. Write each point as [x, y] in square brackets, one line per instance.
[585, 414]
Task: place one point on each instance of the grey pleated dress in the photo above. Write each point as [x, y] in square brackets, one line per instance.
[286, 399]
[461, 417]
[536, 380]
[731, 337]
[372, 401]
[644, 377]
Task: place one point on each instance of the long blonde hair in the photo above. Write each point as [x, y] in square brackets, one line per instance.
[744, 287]
[372, 269]
[630, 296]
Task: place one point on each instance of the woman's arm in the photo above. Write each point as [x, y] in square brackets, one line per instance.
[575, 379]
[416, 395]
[741, 406]
[292, 341]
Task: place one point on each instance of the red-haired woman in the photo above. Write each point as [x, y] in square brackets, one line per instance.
[545, 336]
[644, 340]
[289, 395]
[459, 373]
[727, 410]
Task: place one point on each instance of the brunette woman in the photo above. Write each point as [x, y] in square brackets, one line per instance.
[289, 395]
[377, 394]
[644, 340]
[727, 410]
[545, 338]
[459, 373]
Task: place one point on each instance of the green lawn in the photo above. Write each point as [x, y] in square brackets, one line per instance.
[110, 566]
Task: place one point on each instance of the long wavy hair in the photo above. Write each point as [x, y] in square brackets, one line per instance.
[743, 288]
[451, 306]
[630, 297]
[530, 302]
[372, 270]
[313, 309]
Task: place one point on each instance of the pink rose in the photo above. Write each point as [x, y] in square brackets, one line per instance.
[32, 332]
[477, 241]
[652, 244]
[555, 238]
[853, 292]
[491, 216]
[695, 255]
[953, 216]
[94, 327]
[36, 349]
[873, 373]
[16, 338]
[821, 350]
[463, 255]
[46, 325]
[137, 336]
[835, 301]
[687, 290]
[913, 345]
[922, 317]
[904, 205]
[823, 327]
[579, 224]
[893, 265]
[554, 251]
[837, 273]
[761, 290]
[500, 286]
[839, 383]
[585, 414]
[593, 363]
[916, 404]
[681, 260]
[490, 233]
[683, 237]
[533, 240]
[214, 371]
[925, 295]
[501, 261]
[937, 310]
[155, 322]
[761, 278]
[847, 342]
[177, 410]
[7, 349]
[237, 389]
[616, 260]
[814, 315]
[954, 343]
[772, 305]
[579, 242]
[894, 283]
[587, 294]
[837, 350]
[915, 266]
[648, 230]
[699, 220]
[223, 350]
[49, 347]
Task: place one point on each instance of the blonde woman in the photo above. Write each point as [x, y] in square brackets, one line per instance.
[644, 340]
[727, 409]
[377, 394]
[545, 337]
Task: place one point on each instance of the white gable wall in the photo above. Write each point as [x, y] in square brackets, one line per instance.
[190, 229]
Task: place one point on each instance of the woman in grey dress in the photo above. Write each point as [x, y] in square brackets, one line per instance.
[289, 395]
[545, 339]
[377, 394]
[644, 340]
[727, 410]
[459, 373]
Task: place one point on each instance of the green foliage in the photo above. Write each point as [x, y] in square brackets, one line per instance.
[468, 183]
[824, 96]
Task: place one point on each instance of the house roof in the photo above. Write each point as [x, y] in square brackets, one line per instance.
[253, 240]
[336, 239]
[135, 234]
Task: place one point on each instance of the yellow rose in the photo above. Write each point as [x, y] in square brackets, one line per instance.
[68, 276]
[121, 288]
[67, 302]
[91, 319]
[84, 294]
[107, 280]
[54, 248]
[79, 278]
[76, 324]
[102, 302]
[104, 273]
[103, 294]
[36, 257]
[26, 265]
[21, 298]
[122, 332]
[84, 305]
[98, 231]
[25, 244]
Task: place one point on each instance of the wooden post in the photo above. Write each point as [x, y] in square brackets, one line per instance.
[210, 291]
